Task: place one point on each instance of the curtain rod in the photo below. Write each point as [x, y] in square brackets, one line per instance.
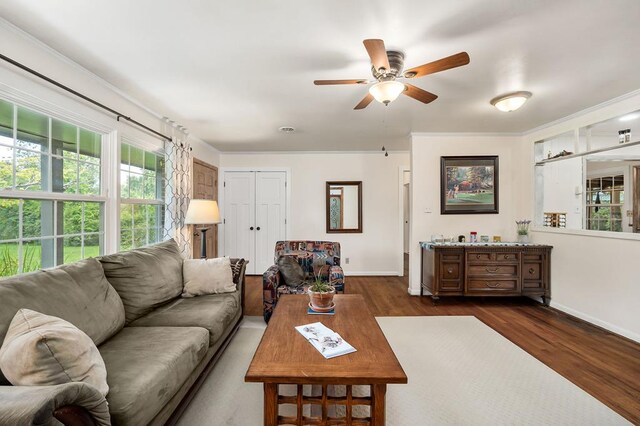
[80, 95]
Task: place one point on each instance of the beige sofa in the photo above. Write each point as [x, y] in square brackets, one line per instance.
[157, 346]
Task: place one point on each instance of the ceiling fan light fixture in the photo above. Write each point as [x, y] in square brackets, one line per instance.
[510, 101]
[386, 91]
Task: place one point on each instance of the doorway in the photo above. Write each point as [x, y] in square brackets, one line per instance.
[404, 207]
[205, 187]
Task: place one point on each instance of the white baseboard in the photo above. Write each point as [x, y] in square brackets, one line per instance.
[371, 273]
[414, 291]
[604, 324]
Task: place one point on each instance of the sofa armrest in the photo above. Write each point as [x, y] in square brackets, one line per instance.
[70, 404]
[270, 283]
[240, 280]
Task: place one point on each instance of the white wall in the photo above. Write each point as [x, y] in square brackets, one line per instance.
[594, 275]
[18, 85]
[378, 250]
[426, 219]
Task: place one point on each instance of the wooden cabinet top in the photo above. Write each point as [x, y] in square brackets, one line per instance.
[482, 246]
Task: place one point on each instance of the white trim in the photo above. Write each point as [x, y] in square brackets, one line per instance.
[604, 324]
[378, 152]
[589, 233]
[59, 56]
[413, 291]
[221, 201]
[42, 195]
[583, 112]
[50, 109]
[370, 273]
[401, 170]
[466, 134]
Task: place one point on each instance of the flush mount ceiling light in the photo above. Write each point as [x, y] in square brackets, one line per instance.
[386, 91]
[510, 101]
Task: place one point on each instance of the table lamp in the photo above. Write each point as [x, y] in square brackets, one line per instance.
[202, 212]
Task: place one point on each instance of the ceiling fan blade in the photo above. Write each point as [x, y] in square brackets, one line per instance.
[419, 94]
[453, 61]
[329, 82]
[377, 53]
[365, 102]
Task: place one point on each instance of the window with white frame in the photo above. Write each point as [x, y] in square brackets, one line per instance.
[604, 202]
[142, 181]
[51, 202]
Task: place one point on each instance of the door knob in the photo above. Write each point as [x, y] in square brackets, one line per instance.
[258, 228]
[251, 229]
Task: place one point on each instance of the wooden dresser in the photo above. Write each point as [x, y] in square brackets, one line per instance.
[486, 270]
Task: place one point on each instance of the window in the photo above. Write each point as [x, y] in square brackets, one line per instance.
[605, 198]
[51, 208]
[142, 181]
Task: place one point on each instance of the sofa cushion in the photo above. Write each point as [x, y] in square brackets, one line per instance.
[215, 312]
[146, 277]
[207, 276]
[40, 350]
[146, 366]
[77, 292]
[292, 273]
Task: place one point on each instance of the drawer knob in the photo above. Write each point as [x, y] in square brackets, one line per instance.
[477, 256]
[492, 285]
[496, 269]
[506, 256]
[531, 271]
[450, 270]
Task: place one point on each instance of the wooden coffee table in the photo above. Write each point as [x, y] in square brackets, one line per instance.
[284, 356]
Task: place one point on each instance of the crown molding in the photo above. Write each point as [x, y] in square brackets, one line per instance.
[39, 44]
[466, 134]
[377, 152]
[583, 112]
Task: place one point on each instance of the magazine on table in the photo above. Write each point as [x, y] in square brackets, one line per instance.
[326, 341]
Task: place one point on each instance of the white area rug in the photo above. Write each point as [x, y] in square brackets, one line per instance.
[461, 372]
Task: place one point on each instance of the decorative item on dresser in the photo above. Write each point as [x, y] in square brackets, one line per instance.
[502, 269]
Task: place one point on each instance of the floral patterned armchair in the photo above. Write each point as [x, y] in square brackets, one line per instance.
[315, 257]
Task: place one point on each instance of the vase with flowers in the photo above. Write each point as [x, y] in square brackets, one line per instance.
[523, 230]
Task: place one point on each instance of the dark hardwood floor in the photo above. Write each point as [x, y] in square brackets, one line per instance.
[603, 364]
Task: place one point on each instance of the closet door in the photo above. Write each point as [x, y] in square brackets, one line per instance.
[239, 216]
[271, 202]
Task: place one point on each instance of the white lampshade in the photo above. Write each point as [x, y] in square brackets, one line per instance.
[511, 101]
[386, 91]
[202, 212]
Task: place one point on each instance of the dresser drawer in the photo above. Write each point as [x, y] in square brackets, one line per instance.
[473, 257]
[532, 271]
[508, 257]
[450, 271]
[493, 270]
[478, 285]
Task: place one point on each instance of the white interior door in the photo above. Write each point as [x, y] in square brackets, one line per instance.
[270, 225]
[239, 216]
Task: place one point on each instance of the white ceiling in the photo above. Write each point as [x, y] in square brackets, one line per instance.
[235, 71]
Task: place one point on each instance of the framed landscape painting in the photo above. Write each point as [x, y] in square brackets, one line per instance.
[469, 185]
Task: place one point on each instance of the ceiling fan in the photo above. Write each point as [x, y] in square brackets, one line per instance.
[386, 67]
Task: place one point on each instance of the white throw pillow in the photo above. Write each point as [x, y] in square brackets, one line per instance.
[207, 276]
[41, 350]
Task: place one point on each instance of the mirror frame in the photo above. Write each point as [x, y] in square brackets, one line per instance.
[357, 230]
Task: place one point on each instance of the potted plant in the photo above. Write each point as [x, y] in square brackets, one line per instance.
[321, 293]
[523, 231]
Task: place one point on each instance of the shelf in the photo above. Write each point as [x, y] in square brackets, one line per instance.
[582, 154]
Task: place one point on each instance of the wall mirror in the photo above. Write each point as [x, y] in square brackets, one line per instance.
[344, 207]
[597, 186]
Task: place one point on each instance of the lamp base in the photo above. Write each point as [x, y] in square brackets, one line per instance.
[203, 242]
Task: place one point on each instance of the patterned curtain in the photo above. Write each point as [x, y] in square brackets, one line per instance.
[177, 188]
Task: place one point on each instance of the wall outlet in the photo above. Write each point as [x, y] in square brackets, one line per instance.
[346, 260]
